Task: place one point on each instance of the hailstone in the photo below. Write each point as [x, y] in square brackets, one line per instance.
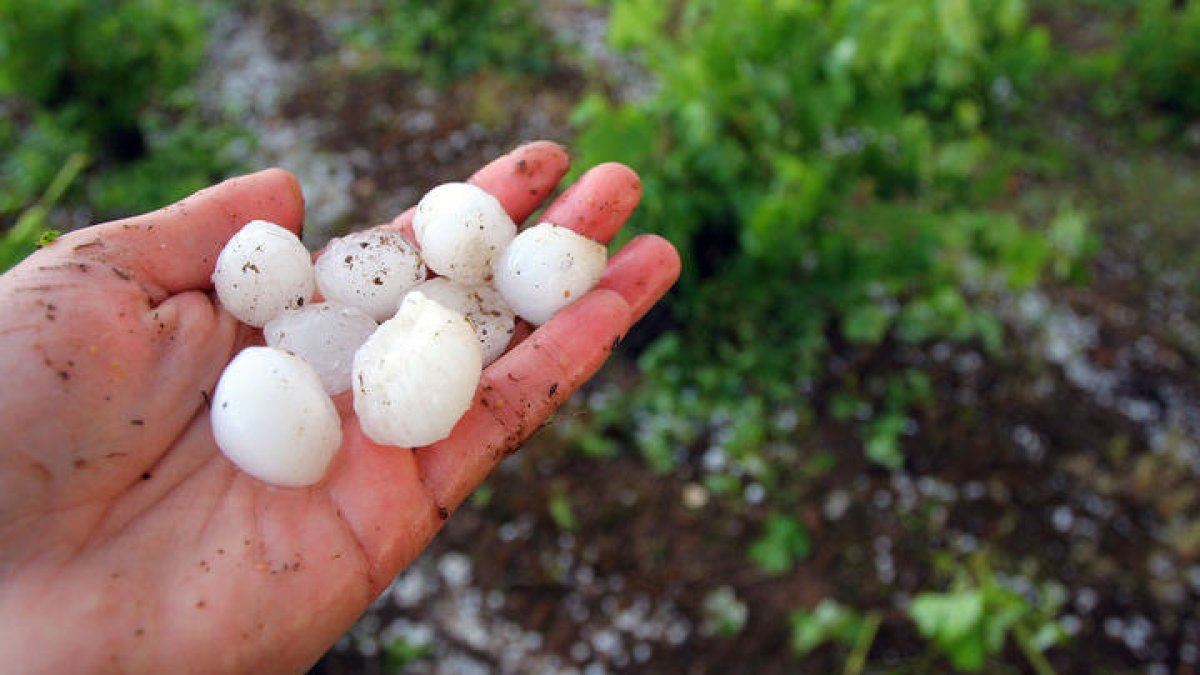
[272, 419]
[325, 335]
[489, 315]
[370, 270]
[416, 375]
[461, 229]
[263, 270]
[546, 268]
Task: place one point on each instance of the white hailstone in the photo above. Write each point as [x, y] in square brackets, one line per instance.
[461, 229]
[546, 268]
[370, 270]
[489, 315]
[263, 270]
[416, 375]
[272, 419]
[325, 335]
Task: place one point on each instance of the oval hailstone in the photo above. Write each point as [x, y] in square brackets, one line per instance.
[369, 270]
[461, 229]
[546, 268]
[416, 375]
[325, 335]
[263, 270]
[272, 419]
[489, 315]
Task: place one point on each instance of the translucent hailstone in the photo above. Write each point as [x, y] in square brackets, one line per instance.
[546, 268]
[262, 271]
[370, 270]
[416, 375]
[461, 229]
[484, 308]
[272, 419]
[325, 335]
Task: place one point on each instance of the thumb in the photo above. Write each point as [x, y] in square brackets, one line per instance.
[175, 248]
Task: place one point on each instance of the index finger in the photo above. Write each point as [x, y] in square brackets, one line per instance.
[520, 180]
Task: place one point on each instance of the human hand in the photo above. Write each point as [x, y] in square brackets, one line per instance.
[128, 542]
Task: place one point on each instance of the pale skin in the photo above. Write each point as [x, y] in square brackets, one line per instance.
[128, 543]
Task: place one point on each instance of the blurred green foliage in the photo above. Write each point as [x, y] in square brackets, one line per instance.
[1147, 77]
[561, 511]
[443, 42]
[784, 542]
[400, 653]
[724, 613]
[31, 229]
[1162, 58]
[833, 623]
[109, 79]
[972, 620]
[827, 169]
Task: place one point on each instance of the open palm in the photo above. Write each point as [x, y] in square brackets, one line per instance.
[129, 543]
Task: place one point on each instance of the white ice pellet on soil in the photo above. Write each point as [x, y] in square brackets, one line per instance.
[325, 335]
[262, 271]
[461, 229]
[546, 268]
[416, 375]
[370, 270]
[271, 417]
[489, 315]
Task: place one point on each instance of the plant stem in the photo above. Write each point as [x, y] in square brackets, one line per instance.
[1037, 660]
[29, 221]
[23, 236]
[862, 645]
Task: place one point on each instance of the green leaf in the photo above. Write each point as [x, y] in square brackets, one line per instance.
[48, 237]
[883, 440]
[636, 23]
[947, 617]
[561, 512]
[966, 654]
[828, 622]
[1048, 635]
[866, 323]
[784, 542]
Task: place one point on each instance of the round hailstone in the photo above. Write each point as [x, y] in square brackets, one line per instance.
[325, 335]
[545, 269]
[416, 375]
[369, 270]
[461, 229]
[491, 317]
[262, 271]
[272, 419]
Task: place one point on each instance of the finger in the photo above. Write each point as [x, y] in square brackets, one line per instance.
[519, 391]
[598, 203]
[596, 206]
[520, 180]
[175, 249]
[642, 272]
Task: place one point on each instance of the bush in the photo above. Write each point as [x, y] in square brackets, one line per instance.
[109, 79]
[821, 166]
[443, 42]
[1162, 58]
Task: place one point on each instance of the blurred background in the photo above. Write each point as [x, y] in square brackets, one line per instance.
[925, 398]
